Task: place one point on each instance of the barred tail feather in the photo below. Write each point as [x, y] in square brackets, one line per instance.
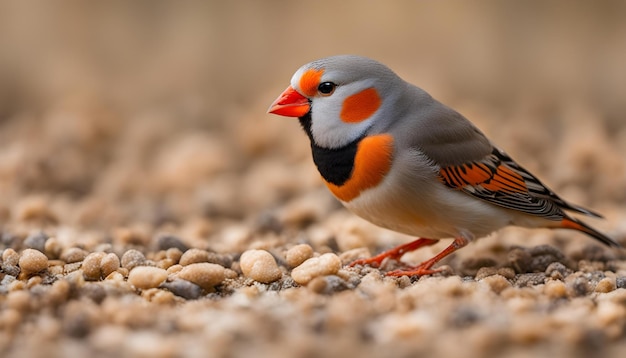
[574, 224]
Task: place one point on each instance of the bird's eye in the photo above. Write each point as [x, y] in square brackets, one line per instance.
[326, 88]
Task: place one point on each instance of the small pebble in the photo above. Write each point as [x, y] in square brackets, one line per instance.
[605, 285]
[73, 254]
[497, 282]
[53, 248]
[174, 254]
[132, 258]
[557, 271]
[485, 272]
[260, 266]
[144, 277]
[620, 282]
[10, 257]
[530, 279]
[92, 266]
[193, 256]
[327, 264]
[520, 260]
[298, 254]
[109, 263]
[204, 274]
[32, 261]
[555, 289]
[36, 241]
[183, 288]
[577, 285]
[165, 242]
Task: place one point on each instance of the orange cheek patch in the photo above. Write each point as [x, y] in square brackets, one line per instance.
[309, 81]
[360, 106]
[371, 163]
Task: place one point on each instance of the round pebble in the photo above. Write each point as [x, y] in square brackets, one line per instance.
[605, 285]
[327, 264]
[203, 274]
[555, 289]
[32, 261]
[132, 258]
[91, 266]
[496, 282]
[10, 257]
[260, 266]
[109, 263]
[36, 241]
[73, 254]
[298, 254]
[145, 277]
[193, 256]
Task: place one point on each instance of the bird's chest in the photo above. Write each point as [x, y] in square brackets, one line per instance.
[359, 166]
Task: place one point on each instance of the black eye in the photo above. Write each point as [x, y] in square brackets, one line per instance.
[326, 88]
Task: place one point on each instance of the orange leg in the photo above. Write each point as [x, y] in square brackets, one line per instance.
[394, 253]
[425, 267]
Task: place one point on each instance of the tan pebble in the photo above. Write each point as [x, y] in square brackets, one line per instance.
[159, 296]
[132, 258]
[92, 266]
[109, 263]
[53, 248]
[349, 256]
[124, 271]
[32, 261]
[555, 289]
[73, 254]
[165, 263]
[34, 281]
[298, 254]
[17, 285]
[605, 285]
[145, 277]
[497, 282]
[204, 274]
[193, 256]
[260, 266]
[10, 257]
[609, 313]
[174, 269]
[115, 276]
[174, 254]
[327, 264]
[507, 272]
[484, 272]
[18, 300]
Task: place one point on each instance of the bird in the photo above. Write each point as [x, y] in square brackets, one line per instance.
[400, 159]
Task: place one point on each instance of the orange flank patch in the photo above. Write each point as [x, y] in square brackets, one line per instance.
[504, 179]
[309, 81]
[360, 106]
[371, 163]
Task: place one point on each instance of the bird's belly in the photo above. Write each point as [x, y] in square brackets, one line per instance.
[426, 208]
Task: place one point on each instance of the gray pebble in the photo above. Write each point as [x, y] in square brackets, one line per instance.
[557, 271]
[165, 242]
[519, 259]
[36, 241]
[530, 279]
[578, 286]
[183, 288]
[620, 282]
[132, 258]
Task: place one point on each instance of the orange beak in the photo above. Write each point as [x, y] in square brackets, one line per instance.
[290, 103]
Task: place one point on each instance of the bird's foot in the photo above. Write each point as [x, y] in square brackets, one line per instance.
[393, 254]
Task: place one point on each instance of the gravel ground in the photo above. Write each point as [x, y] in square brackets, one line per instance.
[150, 207]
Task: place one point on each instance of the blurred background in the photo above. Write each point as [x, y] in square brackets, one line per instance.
[154, 112]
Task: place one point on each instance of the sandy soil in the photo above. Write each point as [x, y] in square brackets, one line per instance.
[150, 207]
